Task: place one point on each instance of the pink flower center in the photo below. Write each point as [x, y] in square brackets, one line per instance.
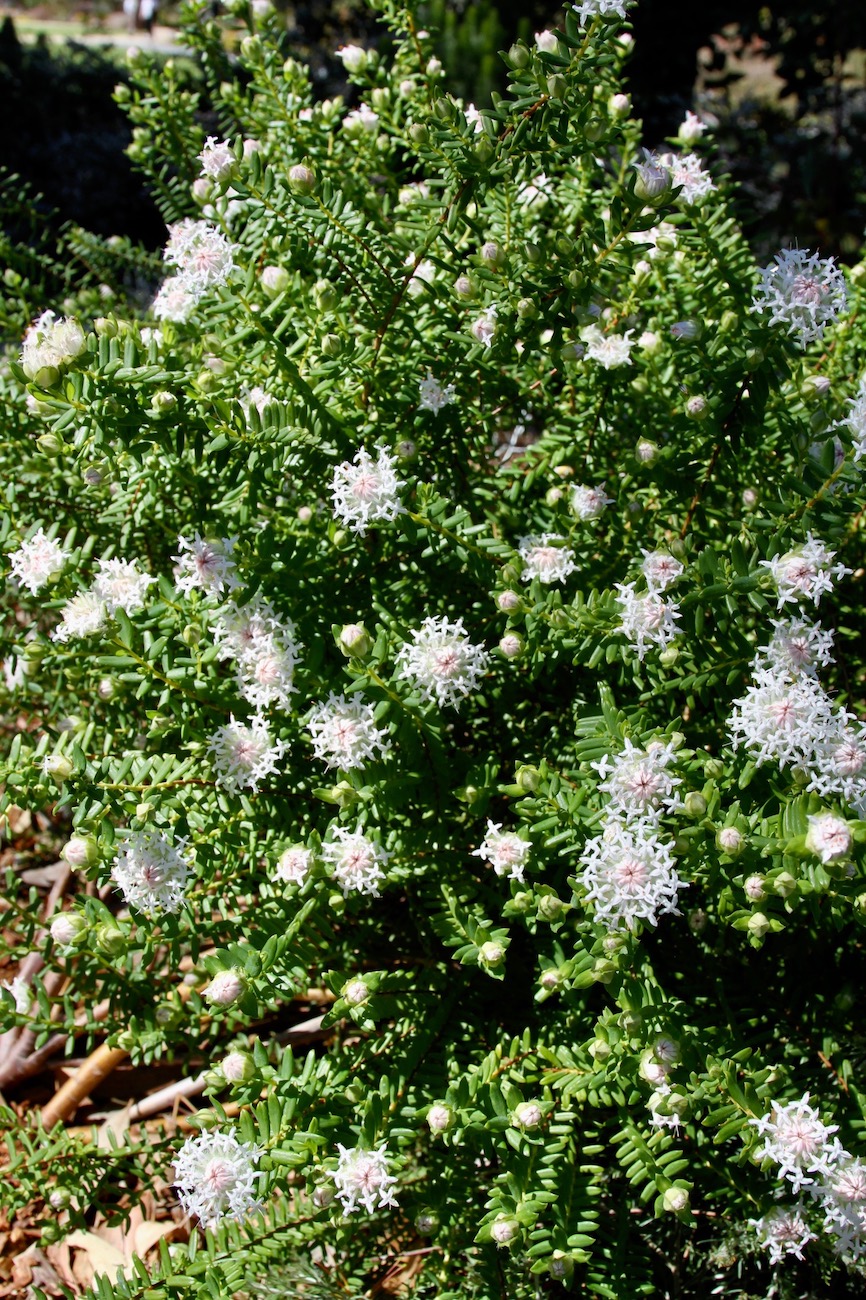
[807, 291]
[218, 1175]
[630, 874]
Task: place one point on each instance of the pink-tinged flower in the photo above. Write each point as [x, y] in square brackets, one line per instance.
[362, 1179]
[442, 662]
[609, 350]
[660, 569]
[589, 502]
[805, 573]
[506, 852]
[217, 159]
[358, 862]
[829, 837]
[639, 786]
[646, 619]
[546, 558]
[206, 565]
[365, 491]
[630, 876]
[203, 256]
[243, 755]
[84, 615]
[151, 872]
[120, 584]
[37, 561]
[798, 1141]
[433, 395]
[784, 1231]
[215, 1176]
[175, 300]
[294, 864]
[803, 292]
[345, 734]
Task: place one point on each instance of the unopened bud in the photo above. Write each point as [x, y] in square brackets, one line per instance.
[68, 928]
[784, 884]
[110, 939]
[439, 1118]
[58, 766]
[491, 954]
[729, 840]
[508, 601]
[675, 1200]
[325, 295]
[301, 179]
[80, 852]
[527, 777]
[527, 1115]
[619, 106]
[511, 645]
[238, 1067]
[275, 280]
[696, 408]
[758, 925]
[504, 1230]
[226, 987]
[463, 287]
[355, 992]
[694, 804]
[550, 908]
[560, 1266]
[355, 641]
[493, 254]
[646, 452]
[550, 979]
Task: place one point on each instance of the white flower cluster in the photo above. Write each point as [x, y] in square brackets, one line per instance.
[265, 650]
[433, 395]
[203, 256]
[589, 502]
[546, 558]
[49, 346]
[647, 618]
[687, 173]
[358, 862]
[811, 1159]
[442, 662]
[151, 872]
[362, 1179]
[344, 732]
[639, 786]
[855, 420]
[506, 852]
[609, 350]
[628, 871]
[587, 10]
[206, 565]
[218, 162]
[788, 718]
[244, 754]
[37, 561]
[630, 875]
[118, 585]
[365, 491]
[215, 1176]
[803, 292]
[805, 573]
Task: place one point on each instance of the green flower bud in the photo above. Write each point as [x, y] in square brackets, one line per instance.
[550, 908]
[491, 955]
[418, 134]
[162, 403]
[758, 925]
[784, 884]
[439, 1117]
[325, 296]
[238, 1067]
[68, 929]
[504, 1230]
[694, 804]
[527, 777]
[355, 641]
[332, 345]
[302, 179]
[110, 939]
[518, 56]
[676, 1200]
[355, 992]
[274, 280]
[81, 852]
[49, 443]
[561, 1266]
[58, 767]
[557, 86]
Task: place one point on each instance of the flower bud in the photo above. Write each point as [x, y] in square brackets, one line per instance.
[202, 190]
[557, 86]
[511, 645]
[81, 852]
[439, 1117]
[491, 954]
[508, 601]
[275, 280]
[427, 1223]
[418, 133]
[527, 777]
[504, 1229]
[686, 329]
[694, 804]
[729, 840]
[355, 992]
[463, 287]
[49, 443]
[619, 106]
[58, 767]
[354, 58]
[493, 254]
[784, 885]
[527, 1115]
[238, 1067]
[526, 309]
[323, 1196]
[355, 641]
[646, 452]
[561, 1266]
[68, 928]
[676, 1200]
[550, 908]
[696, 408]
[325, 296]
[550, 979]
[226, 987]
[302, 180]
[603, 970]
[653, 182]
[599, 1049]
[110, 939]
[758, 925]
[332, 345]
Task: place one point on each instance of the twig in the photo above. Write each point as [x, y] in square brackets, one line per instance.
[98, 1066]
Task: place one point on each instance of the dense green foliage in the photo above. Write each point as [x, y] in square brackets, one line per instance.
[594, 336]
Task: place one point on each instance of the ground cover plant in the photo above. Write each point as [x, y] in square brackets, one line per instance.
[432, 644]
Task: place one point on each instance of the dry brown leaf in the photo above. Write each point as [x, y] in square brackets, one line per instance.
[15, 821]
[110, 1250]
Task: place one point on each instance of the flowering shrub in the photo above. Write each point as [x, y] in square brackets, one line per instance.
[411, 628]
